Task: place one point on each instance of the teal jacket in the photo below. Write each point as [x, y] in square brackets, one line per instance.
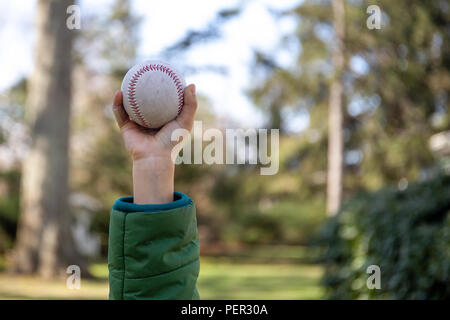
[153, 250]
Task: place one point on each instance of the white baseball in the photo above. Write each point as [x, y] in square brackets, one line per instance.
[153, 93]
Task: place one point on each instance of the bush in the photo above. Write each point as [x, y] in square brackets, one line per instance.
[406, 233]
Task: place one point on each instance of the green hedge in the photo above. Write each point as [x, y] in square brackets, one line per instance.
[406, 233]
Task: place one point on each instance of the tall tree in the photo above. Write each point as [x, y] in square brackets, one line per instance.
[394, 86]
[335, 116]
[44, 242]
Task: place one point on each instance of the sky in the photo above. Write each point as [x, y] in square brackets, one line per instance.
[165, 22]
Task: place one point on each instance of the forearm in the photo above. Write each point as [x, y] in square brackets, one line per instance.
[153, 180]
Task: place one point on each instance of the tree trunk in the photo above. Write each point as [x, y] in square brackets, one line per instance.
[335, 117]
[44, 240]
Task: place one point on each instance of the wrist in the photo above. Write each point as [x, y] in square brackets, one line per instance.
[153, 180]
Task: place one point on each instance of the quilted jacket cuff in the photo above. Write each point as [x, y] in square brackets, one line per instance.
[153, 250]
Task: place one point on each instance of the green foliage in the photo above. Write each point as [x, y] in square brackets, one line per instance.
[406, 233]
[403, 100]
[9, 208]
[286, 221]
[396, 86]
[271, 209]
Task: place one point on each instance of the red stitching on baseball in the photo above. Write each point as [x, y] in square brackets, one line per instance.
[133, 82]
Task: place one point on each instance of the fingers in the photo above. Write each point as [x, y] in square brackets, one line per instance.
[118, 110]
[186, 118]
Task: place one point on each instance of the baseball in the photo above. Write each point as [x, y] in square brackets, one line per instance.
[153, 93]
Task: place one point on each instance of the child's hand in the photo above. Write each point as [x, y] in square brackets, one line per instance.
[153, 168]
[144, 143]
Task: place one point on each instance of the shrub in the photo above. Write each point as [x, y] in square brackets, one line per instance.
[406, 233]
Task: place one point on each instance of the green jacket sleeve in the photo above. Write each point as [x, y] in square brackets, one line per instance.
[153, 250]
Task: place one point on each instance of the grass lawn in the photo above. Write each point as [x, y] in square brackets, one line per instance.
[220, 278]
[225, 280]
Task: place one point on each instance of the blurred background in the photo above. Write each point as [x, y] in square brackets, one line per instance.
[364, 143]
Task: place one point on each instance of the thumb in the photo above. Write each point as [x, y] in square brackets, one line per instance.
[119, 112]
